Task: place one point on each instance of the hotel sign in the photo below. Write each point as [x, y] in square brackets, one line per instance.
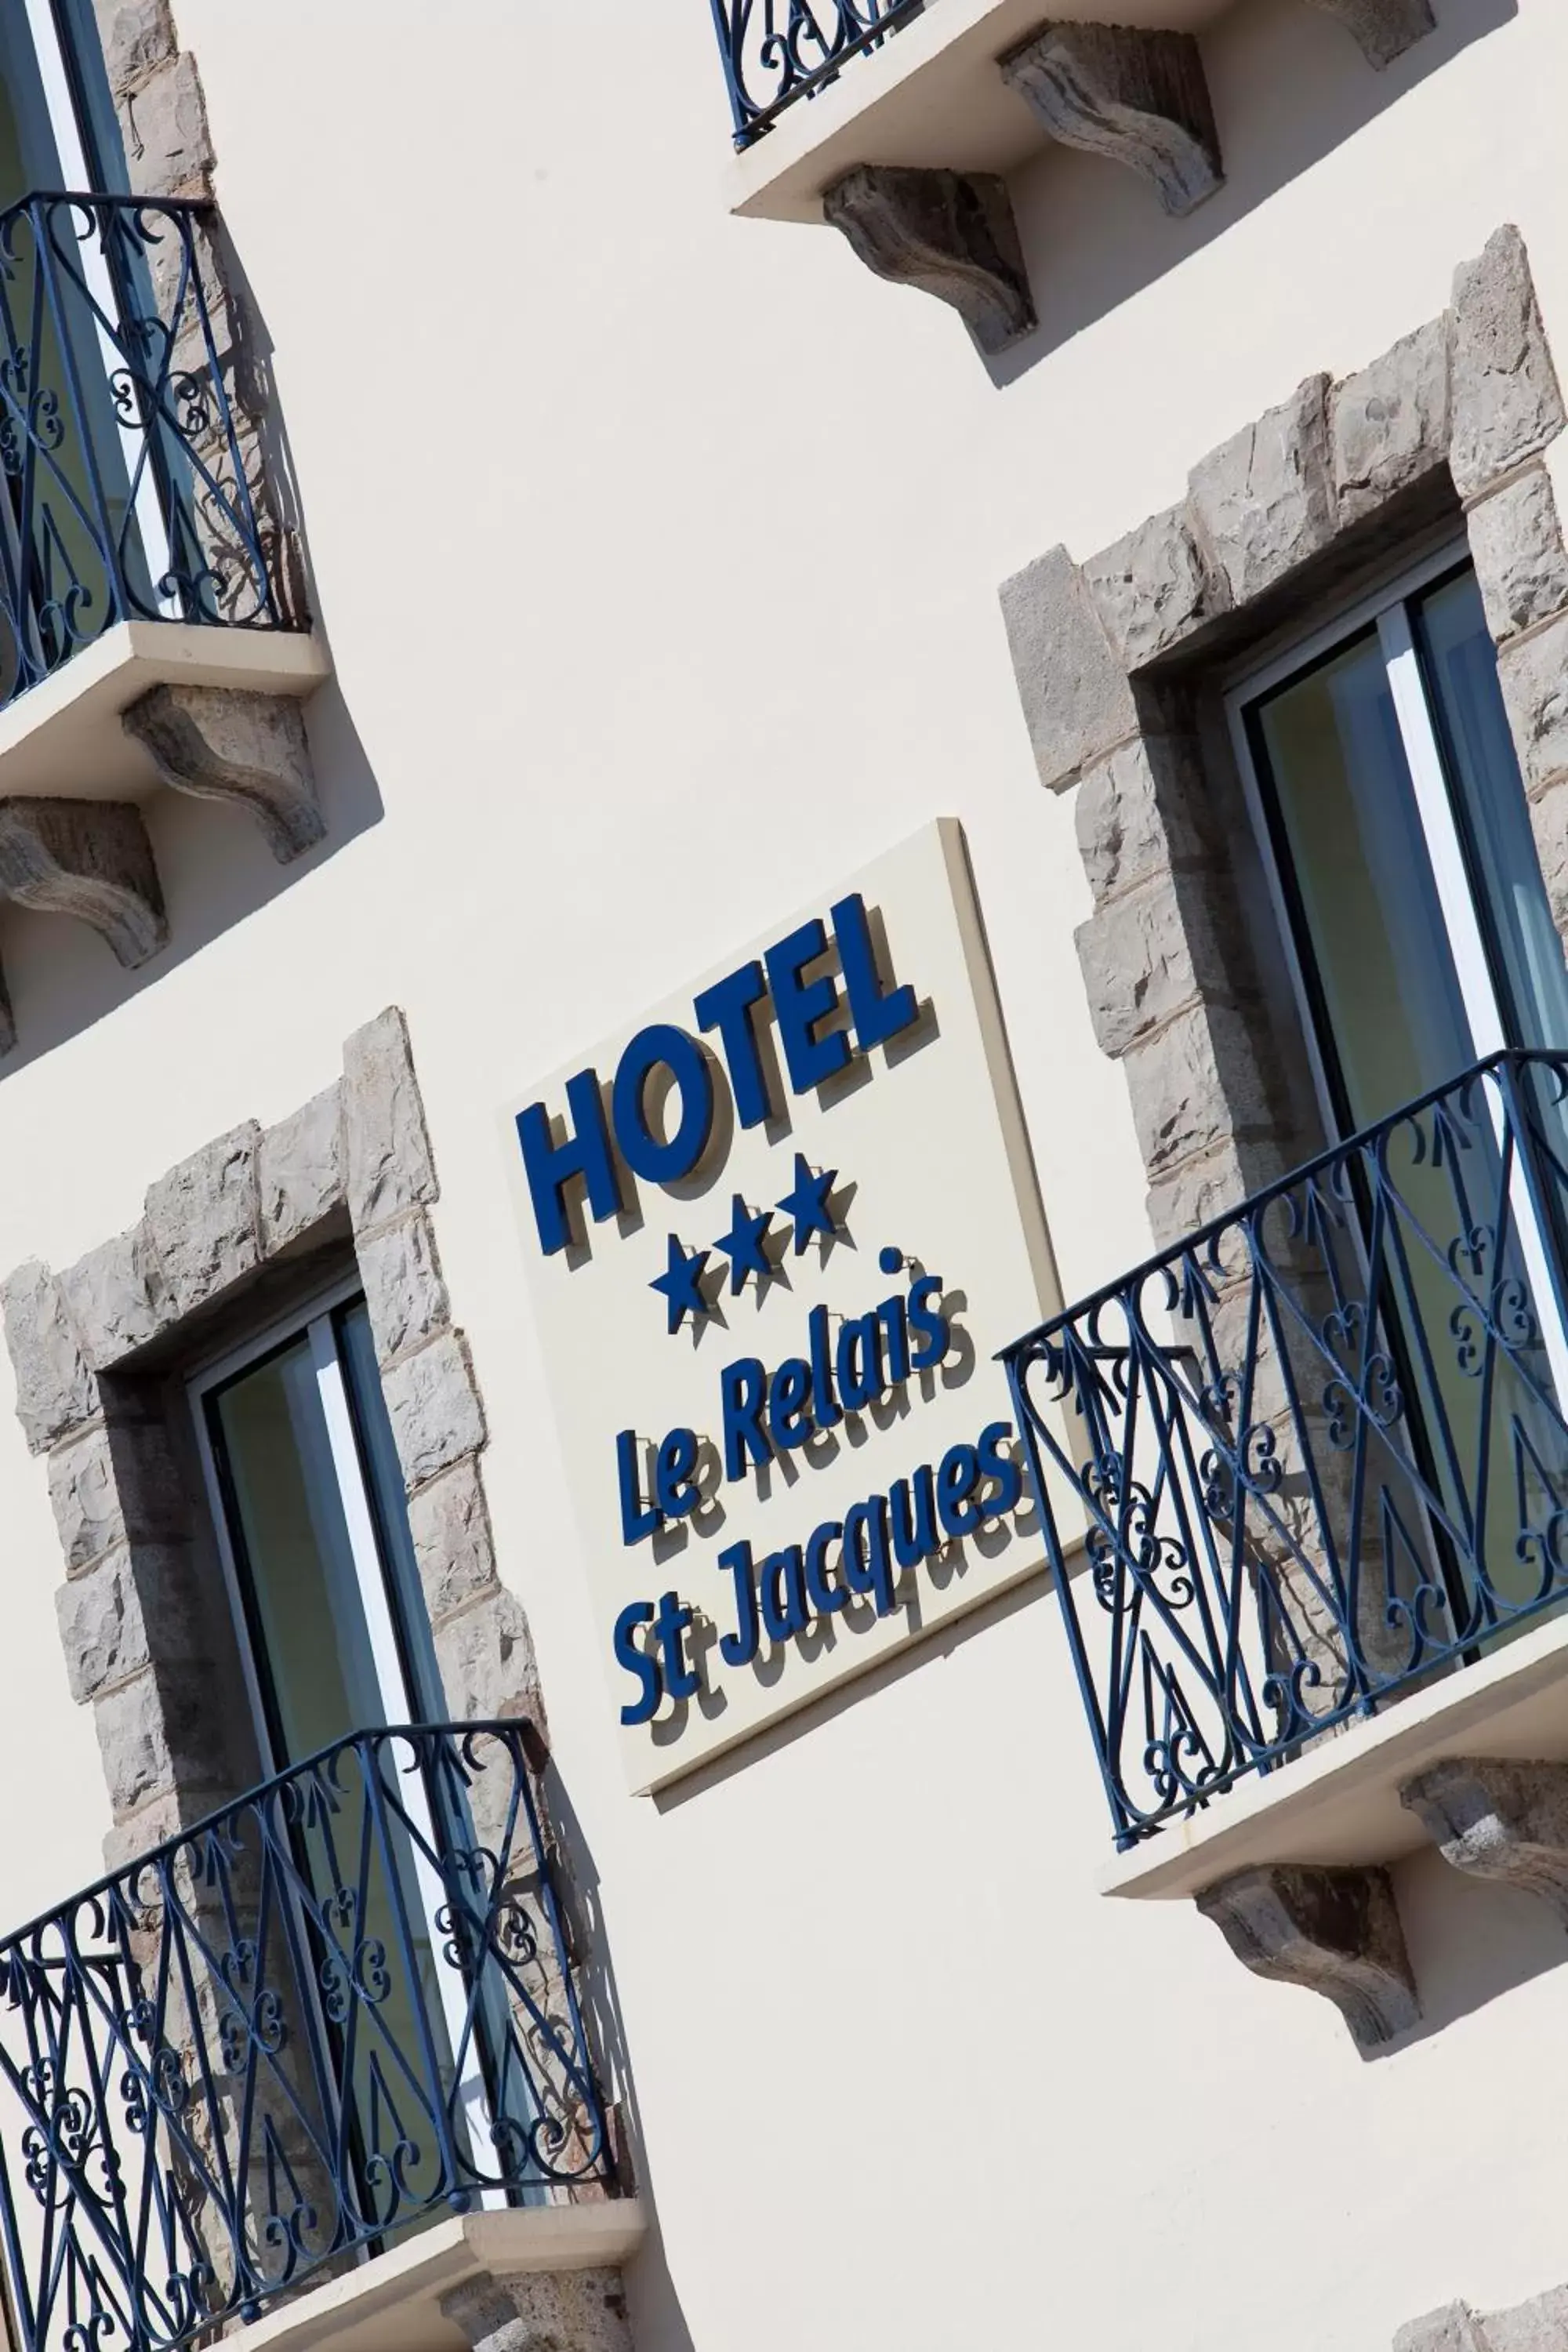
[774, 1235]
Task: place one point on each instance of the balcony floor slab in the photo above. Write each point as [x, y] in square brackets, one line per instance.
[1339, 1803]
[931, 97]
[392, 2302]
[63, 739]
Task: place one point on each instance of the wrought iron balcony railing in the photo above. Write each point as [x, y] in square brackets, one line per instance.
[776, 51]
[129, 476]
[338, 2006]
[1320, 1446]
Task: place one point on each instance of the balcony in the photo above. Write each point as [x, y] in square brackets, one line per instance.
[768, 65]
[904, 123]
[135, 527]
[332, 2022]
[1321, 1451]
[938, 85]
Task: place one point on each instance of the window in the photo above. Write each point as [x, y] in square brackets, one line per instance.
[1385, 790]
[307, 1503]
[308, 1500]
[1398, 841]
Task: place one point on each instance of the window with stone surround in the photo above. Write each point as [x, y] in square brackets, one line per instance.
[1123, 663]
[1394, 834]
[244, 1235]
[311, 1522]
[1372, 576]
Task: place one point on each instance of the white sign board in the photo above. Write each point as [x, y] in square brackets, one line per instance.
[776, 1233]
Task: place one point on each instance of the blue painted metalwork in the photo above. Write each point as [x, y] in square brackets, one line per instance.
[231, 2062]
[1319, 1445]
[776, 51]
[123, 485]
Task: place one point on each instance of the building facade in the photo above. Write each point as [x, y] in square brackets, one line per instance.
[786, 1241]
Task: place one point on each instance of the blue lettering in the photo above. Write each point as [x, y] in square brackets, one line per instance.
[802, 1006]
[739, 1648]
[932, 1329]
[742, 1386]
[912, 1520]
[637, 1521]
[551, 1166]
[669, 1631]
[782, 1594]
[663, 1046]
[876, 1016]
[789, 1392]
[996, 1462]
[824, 1598]
[868, 1569]
[727, 1007]
[957, 1475]
[637, 1662]
[673, 1480]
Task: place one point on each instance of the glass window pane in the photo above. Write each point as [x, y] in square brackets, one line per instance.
[28, 155]
[1461, 671]
[1354, 856]
[389, 1502]
[296, 1560]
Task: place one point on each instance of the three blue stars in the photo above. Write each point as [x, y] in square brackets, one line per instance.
[681, 1284]
[807, 1206]
[806, 1202]
[743, 1244]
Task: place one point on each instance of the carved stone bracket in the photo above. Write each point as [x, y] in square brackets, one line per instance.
[1385, 28]
[1335, 1931]
[575, 2311]
[1139, 98]
[951, 234]
[223, 744]
[1500, 1820]
[91, 860]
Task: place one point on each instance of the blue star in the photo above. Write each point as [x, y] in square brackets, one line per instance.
[681, 1284]
[743, 1245]
[806, 1202]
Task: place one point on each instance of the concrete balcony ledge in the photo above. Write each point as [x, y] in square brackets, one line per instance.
[1339, 1805]
[393, 2302]
[63, 739]
[932, 98]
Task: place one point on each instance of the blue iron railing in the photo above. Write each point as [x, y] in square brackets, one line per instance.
[337, 2006]
[127, 476]
[776, 51]
[1319, 1446]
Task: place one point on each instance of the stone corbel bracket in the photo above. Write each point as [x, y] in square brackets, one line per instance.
[1336, 1932]
[91, 860]
[221, 743]
[1139, 98]
[571, 2311]
[950, 234]
[1502, 1821]
[1385, 28]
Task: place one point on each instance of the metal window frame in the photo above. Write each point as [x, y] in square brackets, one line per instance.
[1386, 611]
[314, 1318]
[76, 172]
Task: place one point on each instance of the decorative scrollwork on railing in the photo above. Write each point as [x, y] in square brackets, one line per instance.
[339, 2004]
[129, 475]
[776, 51]
[1322, 1446]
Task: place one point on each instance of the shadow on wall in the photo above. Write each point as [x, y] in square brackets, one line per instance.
[1470, 1940]
[214, 863]
[659, 2324]
[1288, 86]
[216, 869]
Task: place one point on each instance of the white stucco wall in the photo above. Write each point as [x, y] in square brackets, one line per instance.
[658, 553]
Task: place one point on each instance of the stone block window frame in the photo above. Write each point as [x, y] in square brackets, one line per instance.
[1122, 663]
[244, 1233]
